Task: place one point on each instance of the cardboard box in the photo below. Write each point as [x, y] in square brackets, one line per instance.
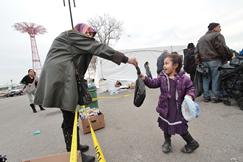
[62, 157]
[96, 121]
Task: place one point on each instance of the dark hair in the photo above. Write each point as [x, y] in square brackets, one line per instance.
[212, 25]
[30, 70]
[190, 46]
[176, 59]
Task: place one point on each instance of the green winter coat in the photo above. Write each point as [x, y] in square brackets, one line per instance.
[57, 86]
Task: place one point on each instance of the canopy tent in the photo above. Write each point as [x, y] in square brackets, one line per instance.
[111, 72]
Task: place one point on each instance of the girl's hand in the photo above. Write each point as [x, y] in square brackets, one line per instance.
[142, 76]
[190, 97]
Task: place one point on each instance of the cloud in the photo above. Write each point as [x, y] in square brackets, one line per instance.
[146, 23]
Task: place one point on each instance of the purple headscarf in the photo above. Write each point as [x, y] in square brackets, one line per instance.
[83, 28]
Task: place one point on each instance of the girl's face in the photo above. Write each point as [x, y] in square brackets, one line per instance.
[169, 67]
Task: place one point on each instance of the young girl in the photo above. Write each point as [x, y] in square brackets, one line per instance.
[174, 85]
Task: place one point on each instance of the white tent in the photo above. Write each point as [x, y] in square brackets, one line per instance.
[112, 72]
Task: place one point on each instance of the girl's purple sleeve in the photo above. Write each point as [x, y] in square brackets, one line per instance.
[190, 89]
[152, 83]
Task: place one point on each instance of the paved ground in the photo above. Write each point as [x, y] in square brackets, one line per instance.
[131, 134]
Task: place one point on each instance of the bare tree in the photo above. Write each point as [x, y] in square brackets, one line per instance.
[108, 29]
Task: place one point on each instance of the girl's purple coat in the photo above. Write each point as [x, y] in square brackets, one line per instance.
[184, 86]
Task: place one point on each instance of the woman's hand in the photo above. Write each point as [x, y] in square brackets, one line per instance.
[133, 61]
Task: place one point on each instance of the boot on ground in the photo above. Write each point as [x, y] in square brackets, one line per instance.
[41, 108]
[189, 148]
[191, 145]
[166, 147]
[33, 108]
[83, 148]
[87, 158]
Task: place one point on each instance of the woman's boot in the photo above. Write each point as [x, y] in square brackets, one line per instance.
[33, 108]
[68, 141]
[82, 148]
[191, 145]
[67, 133]
[41, 108]
[67, 128]
[87, 158]
[166, 147]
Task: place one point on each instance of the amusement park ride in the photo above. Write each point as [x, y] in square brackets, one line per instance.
[32, 29]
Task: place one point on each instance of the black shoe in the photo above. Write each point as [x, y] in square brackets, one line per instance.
[166, 147]
[41, 108]
[83, 148]
[33, 108]
[227, 102]
[189, 148]
[206, 99]
[87, 158]
[216, 100]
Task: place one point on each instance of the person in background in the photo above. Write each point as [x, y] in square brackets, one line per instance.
[69, 57]
[189, 60]
[30, 82]
[213, 52]
[241, 53]
[174, 85]
[118, 84]
[160, 61]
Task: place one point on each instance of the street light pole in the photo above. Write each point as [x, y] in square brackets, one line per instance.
[11, 85]
[70, 10]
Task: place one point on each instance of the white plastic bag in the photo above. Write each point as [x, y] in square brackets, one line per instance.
[189, 108]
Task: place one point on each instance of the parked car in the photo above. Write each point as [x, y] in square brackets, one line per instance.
[14, 92]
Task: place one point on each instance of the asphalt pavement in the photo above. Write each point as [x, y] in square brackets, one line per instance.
[131, 134]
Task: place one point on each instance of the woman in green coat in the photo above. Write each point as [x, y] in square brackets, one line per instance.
[57, 85]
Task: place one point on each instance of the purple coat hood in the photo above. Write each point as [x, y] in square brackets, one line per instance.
[184, 86]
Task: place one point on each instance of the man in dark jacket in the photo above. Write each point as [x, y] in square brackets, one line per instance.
[71, 52]
[213, 52]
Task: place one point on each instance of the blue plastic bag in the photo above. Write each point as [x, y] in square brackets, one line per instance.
[189, 108]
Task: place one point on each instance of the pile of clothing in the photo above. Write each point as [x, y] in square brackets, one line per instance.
[231, 75]
[88, 112]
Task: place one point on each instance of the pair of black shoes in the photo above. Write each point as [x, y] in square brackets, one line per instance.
[188, 148]
[213, 100]
[216, 100]
[85, 158]
[34, 110]
[206, 99]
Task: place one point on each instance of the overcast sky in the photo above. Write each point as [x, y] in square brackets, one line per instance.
[146, 23]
